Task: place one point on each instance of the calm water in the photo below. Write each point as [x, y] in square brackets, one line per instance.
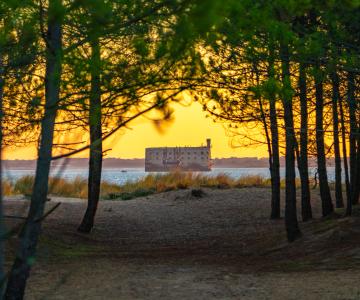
[120, 176]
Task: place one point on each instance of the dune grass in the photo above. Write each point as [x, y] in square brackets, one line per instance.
[76, 188]
[150, 184]
[158, 183]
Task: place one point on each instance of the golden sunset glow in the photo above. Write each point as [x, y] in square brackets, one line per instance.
[190, 127]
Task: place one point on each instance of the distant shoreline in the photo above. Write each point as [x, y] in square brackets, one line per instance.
[118, 163]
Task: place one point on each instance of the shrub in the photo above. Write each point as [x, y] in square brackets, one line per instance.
[24, 185]
[251, 181]
[7, 188]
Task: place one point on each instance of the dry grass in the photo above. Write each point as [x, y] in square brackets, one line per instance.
[59, 187]
[158, 183]
[297, 183]
[7, 188]
[150, 184]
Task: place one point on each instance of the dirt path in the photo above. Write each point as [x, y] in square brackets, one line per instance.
[176, 246]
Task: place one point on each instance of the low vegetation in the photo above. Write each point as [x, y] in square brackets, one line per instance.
[150, 184]
[76, 188]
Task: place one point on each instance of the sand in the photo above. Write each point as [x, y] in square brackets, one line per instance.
[176, 246]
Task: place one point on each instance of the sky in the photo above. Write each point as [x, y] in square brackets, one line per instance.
[189, 127]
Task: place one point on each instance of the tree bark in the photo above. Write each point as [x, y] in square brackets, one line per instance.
[267, 137]
[327, 206]
[275, 162]
[291, 222]
[95, 162]
[275, 172]
[306, 211]
[275, 213]
[352, 141]
[357, 185]
[335, 100]
[31, 230]
[2, 227]
[345, 159]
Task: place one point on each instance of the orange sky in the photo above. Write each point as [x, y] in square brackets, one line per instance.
[190, 127]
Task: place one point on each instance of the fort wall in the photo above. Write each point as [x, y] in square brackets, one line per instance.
[164, 159]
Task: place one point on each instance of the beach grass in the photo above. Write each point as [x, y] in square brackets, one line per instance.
[76, 188]
[150, 184]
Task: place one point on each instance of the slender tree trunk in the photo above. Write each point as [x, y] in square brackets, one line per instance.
[353, 130]
[306, 211]
[327, 206]
[357, 184]
[275, 194]
[291, 222]
[31, 230]
[335, 100]
[271, 163]
[95, 162]
[267, 137]
[2, 228]
[345, 159]
[275, 162]
[275, 176]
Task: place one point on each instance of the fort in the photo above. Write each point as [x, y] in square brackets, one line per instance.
[165, 159]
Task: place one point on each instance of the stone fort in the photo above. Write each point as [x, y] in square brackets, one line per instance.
[165, 159]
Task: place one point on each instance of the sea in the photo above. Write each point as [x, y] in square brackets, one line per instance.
[121, 176]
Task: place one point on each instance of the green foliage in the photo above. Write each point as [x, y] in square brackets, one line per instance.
[141, 48]
[24, 185]
[270, 88]
[287, 92]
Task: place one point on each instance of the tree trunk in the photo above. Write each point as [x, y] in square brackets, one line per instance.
[31, 230]
[275, 195]
[306, 211]
[345, 159]
[335, 99]
[357, 185]
[327, 206]
[95, 162]
[353, 130]
[275, 162]
[267, 137]
[275, 172]
[291, 222]
[2, 228]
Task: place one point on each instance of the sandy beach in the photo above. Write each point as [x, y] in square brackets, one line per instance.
[177, 246]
